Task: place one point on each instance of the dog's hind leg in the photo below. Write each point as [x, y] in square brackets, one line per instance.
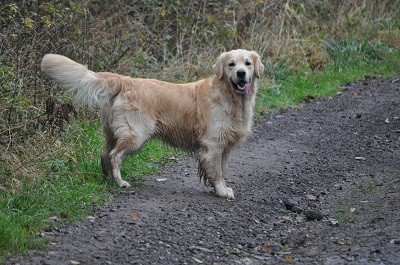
[131, 130]
[122, 148]
[105, 156]
[110, 144]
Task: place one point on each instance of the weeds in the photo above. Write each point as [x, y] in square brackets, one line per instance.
[49, 166]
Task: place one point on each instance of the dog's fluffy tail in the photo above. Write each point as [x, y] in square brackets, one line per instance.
[87, 86]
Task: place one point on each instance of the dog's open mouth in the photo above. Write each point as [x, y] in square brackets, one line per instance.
[243, 87]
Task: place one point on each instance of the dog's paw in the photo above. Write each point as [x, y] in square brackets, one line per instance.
[224, 192]
[124, 184]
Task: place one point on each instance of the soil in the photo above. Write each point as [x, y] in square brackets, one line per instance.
[318, 184]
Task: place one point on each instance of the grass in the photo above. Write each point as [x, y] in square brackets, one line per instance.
[351, 61]
[72, 183]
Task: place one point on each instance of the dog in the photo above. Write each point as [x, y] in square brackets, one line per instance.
[207, 118]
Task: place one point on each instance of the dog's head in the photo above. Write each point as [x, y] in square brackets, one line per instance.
[239, 68]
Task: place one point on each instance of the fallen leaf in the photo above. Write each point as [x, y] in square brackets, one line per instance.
[269, 248]
[135, 215]
[288, 258]
[352, 210]
[266, 247]
[286, 218]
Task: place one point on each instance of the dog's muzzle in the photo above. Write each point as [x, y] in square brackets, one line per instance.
[243, 83]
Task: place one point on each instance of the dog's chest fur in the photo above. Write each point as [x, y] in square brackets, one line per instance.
[230, 119]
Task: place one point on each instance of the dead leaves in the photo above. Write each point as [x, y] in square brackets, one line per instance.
[133, 218]
[134, 215]
[276, 249]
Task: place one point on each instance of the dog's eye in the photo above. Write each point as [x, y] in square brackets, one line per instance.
[248, 63]
[231, 64]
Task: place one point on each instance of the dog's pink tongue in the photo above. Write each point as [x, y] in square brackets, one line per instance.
[248, 89]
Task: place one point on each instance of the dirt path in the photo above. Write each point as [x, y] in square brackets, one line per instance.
[317, 185]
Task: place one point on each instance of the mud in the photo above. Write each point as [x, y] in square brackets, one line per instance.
[315, 185]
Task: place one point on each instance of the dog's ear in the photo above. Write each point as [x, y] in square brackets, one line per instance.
[218, 67]
[258, 66]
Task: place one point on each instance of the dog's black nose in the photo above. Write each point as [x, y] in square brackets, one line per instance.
[241, 73]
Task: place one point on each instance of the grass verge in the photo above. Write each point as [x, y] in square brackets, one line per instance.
[72, 182]
[350, 61]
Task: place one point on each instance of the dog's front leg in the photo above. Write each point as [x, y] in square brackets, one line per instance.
[222, 190]
[220, 187]
[213, 161]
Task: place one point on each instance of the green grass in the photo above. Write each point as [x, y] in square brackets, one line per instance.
[351, 61]
[23, 215]
[72, 180]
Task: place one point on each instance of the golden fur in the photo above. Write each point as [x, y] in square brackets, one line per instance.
[208, 117]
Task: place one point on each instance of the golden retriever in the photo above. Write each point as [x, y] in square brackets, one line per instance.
[208, 117]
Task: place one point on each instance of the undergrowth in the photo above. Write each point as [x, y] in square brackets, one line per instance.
[49, 164]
